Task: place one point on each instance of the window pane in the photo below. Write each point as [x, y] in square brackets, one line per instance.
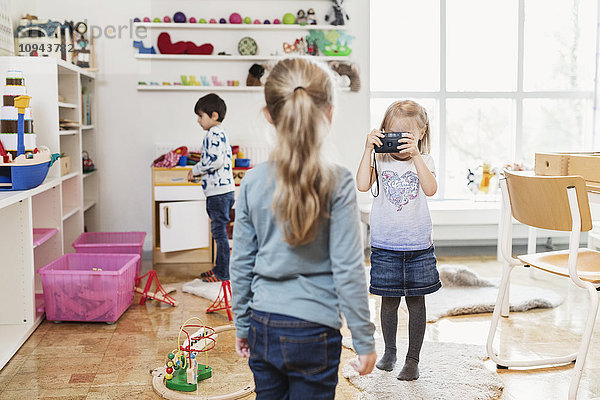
[482, 45]
[479, 130]
[560, 40]
[551, 125]
[405, 45]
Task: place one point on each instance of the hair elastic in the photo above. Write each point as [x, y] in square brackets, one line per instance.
[300, 87]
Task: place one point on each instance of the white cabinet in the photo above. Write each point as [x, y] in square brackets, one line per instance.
[183, 225]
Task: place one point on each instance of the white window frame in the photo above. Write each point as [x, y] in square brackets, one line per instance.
[441, 96]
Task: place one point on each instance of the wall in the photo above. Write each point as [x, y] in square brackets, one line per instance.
[129, 123]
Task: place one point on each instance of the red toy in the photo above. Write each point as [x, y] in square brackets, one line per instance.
[235, 18]
[212, 21]
[223, 300]
[193, 20]
[167, 19]
[165, 46]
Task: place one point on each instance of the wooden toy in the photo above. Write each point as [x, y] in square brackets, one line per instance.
[166, 18]
[157, 20]
[146, 19]
[138, 44]
[337, 15]
[222, 21]
[311, 17]
[193, 20]
[170, 380]
[257, 22]
[202, 21]
[247, 46]
[212, 21]
[247, 20]
[289, 19]
[179, 17]
[277, 21]
[165, 46]
[235, 18]
[301, 17]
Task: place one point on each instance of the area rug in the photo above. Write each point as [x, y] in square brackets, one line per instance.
[465, 292]
[447, 371]
[208, 290]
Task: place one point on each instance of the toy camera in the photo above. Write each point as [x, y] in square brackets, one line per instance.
[390, 142]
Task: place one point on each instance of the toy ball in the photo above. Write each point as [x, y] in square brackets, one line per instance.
[179, 17]
[146, 19]
[169, 370]
[202, 21]
[212, 21]
[256, 21]
[267, 22]
[235, 18]
[156, 20]
[277, 21]
[193, 20]
[171, 356]
[169, 376]
[222, 21]
[136, 19]
[167, 18]
[247, 20]
[289, 19]
[170, 364]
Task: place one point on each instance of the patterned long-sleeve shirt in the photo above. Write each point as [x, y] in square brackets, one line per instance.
[215, 167]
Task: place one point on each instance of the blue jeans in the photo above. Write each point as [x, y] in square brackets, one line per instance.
[218, 208]
[292, 358]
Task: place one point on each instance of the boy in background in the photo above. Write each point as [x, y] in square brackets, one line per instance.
[216, 173]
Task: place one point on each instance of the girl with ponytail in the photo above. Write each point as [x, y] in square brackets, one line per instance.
[297, 263]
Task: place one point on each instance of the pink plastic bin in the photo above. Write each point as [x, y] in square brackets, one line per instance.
[113, 243]
[73, 291]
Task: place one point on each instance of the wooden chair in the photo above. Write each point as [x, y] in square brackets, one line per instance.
[557, 203]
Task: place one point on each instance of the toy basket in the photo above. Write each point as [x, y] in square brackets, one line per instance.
[112, 242]
[88, 287]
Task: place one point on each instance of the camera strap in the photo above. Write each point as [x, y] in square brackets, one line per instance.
[376, 175]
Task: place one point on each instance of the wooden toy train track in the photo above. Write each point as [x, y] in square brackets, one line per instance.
[159, 385]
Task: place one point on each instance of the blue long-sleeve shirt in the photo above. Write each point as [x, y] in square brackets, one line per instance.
[316, 282]
[215, 167]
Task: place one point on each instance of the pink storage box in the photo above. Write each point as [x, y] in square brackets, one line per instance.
[113, 243]
[74, 291]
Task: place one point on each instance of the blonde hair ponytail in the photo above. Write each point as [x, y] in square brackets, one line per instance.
[299, 95]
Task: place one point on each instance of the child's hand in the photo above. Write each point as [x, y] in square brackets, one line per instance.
[408, 145]
[365, 364]
[241, 347]
[373, 139]
[191, 177]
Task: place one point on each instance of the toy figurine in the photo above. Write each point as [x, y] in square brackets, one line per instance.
[301, 17]
[254, 74]
[348, 70]
[311, 17]
[337, 15]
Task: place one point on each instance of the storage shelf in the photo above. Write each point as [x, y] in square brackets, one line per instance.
[66, 105]
[86, 174]
[42, 235]
[74, 68]
[67, 132]
[87, 204]
[257, 27]
[69, 176]
[175, 88]
[69, 213]
[194, 57]
[87, 127]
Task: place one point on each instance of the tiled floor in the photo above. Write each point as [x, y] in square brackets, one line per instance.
[100, 361]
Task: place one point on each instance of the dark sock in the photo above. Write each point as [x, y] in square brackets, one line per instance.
[389, 324]
[416, 332]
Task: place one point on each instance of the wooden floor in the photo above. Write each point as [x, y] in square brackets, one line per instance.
[100, 361]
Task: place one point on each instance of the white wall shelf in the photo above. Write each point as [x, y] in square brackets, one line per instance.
[66, 105]
[68, 213]
[87, 127]
[88, 174]
[87, 204]
[258, 27]
[176, 88]
[67, 132]
[193, 57]
[69, 176]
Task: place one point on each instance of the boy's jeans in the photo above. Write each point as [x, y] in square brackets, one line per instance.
[292, 358]
[218, 208]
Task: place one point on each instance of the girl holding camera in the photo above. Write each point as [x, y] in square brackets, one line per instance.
[403, 261]
[297, 263]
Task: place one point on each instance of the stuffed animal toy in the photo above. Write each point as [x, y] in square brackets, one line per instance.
[311, 17]
[254, 74]
[165, 46]
[347, 70]
[337, 15]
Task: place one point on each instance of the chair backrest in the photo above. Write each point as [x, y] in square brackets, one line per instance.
[542, 201]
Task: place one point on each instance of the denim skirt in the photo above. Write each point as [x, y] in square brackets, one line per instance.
[404, 273]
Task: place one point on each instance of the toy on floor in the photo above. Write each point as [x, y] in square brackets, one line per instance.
[159, 293]
[166, 46]
[138, 44]
[223, 301]
[337, 15]
[171, 380]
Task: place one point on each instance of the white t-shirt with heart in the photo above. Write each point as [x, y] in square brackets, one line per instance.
[400, 217]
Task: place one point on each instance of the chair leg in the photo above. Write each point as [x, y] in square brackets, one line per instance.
[504, 363]
[506, 302]
[585, 341]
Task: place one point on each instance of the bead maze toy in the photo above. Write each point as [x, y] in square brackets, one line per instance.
[180, 377]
